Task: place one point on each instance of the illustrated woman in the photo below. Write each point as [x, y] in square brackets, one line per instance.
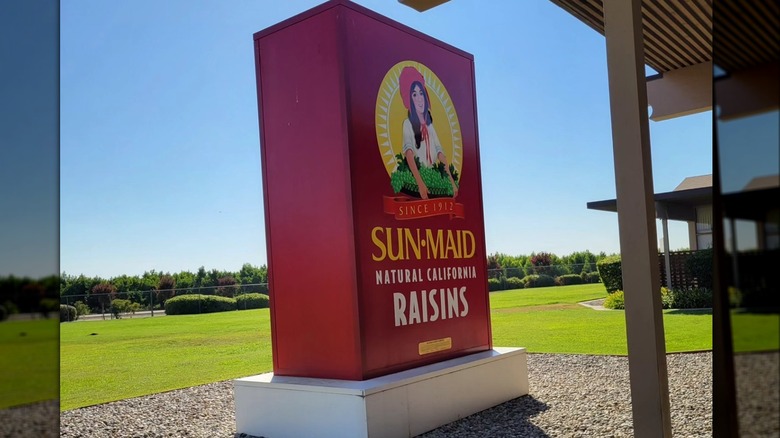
[420, 139]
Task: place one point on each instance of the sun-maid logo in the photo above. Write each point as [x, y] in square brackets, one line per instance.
[419, 140]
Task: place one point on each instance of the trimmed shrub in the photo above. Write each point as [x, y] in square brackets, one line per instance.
[68, 313]
[494, 284]
[3, 313]
[198, 303]
[119, 306]
[697, 298]
[666, 298]
[699, 265]
[252, 301]
[49, 305]
[611, 273]
[538, 281]
[10, 307]
[514, 283]
[82, 308]
[615, 300]
[565, 280]
[590, 277]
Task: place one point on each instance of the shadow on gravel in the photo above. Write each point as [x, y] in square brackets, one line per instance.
[509, 419]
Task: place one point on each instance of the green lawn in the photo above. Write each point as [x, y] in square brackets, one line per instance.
[546, 295]
[548, 320]
[28, 358]
[755, 331]
[133, 357]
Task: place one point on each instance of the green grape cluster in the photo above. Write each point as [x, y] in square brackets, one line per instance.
[435, 178]
[403, 179]
[437, 184]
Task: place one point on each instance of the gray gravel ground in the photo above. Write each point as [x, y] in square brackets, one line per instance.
[570, 396]
[37, 420]
[757, 378]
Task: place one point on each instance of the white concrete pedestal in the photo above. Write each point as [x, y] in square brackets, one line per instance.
[403, 404]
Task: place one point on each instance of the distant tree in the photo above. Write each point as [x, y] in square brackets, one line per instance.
[543, 263]
[104, 292]
[227, 286]
[494, 266]
[586, 268]
[32, 296]
[200, 278]
[184, 280]
[166, 288]
[528, 267]
[252, 274]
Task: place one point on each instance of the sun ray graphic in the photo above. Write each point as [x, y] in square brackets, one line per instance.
[390, 114]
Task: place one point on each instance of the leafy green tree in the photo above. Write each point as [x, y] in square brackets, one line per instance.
[185, 280]
[252, 274]
[200, 278]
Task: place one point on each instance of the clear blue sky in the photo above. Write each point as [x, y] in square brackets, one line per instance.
[160, 154]
[28, 138]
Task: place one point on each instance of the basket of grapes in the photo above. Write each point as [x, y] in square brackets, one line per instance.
[435, 179]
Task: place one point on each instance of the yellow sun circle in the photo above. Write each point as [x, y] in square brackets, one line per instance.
[390, 114]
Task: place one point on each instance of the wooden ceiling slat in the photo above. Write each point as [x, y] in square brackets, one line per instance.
[726, 55]
[687, 27]
[679, 55]
[732, 22]
[594, 15]
[660, 58]
[700, 23]
[761, 20]
[668, 37]
[756, 37]
[594, 19]
[768, 34]
[706, 8]
[769, 7]
[679, 33]
[657, 60]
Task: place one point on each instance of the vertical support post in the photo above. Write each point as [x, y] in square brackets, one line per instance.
[734, 253]
[636, 218]
[667, 257]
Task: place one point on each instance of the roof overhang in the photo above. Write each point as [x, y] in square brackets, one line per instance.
[422, 5]
[676, 205]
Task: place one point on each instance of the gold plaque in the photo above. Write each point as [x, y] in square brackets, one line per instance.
[433, 346]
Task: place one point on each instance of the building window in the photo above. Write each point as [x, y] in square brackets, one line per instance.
[704, 227]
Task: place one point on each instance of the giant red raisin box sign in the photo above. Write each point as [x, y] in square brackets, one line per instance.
[372, 190]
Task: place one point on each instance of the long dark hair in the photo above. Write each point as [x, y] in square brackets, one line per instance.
[413, 114]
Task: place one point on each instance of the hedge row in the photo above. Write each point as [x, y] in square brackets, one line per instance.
[698, 298]
[252, 301]
[611, 273]
[530, 281]
[197, 303]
